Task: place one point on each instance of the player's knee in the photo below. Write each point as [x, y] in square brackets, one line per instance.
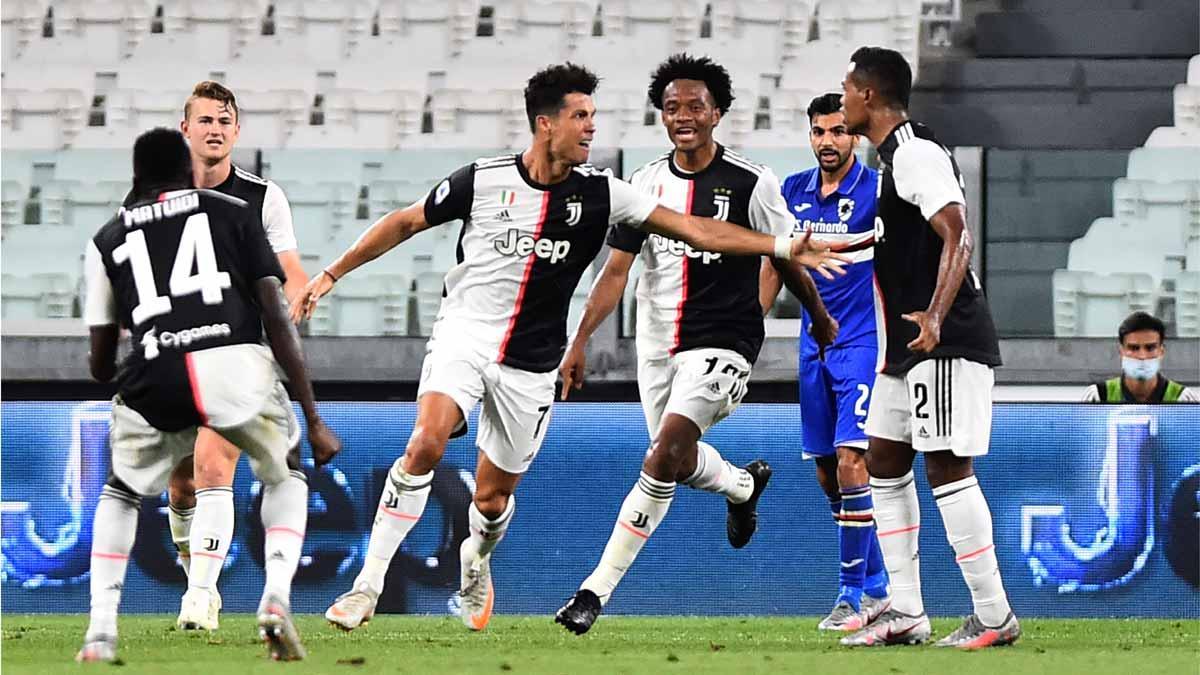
[668, 459]
[424, 451]
[945, 467]
[181, 491]
[491, 502]
[827, 476]
[852, 468]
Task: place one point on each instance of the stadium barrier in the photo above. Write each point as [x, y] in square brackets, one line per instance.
[1095, 512]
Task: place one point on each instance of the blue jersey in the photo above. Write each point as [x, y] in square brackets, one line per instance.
[846, 220]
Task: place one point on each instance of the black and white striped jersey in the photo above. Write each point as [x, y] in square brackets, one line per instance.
[917, 178]
[179, 273]
[522, 250]
[689, 299]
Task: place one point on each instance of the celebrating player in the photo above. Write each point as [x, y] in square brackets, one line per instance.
[532, 222]
[700, 323]
[933, 394]
[191, 275]
[836, 201]
[211, 125]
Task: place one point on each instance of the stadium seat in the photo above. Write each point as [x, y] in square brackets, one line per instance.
[818, 66]
[476, 118]
[47, 119]
[887, 23]
[371, 305]
[789, 112]
[436, 29]
[1089, 304]
[22, 24]
[91, 32]
[1187, 304]
[313, 31]
[1163, 164]
[1173, 137]
[90, 205]
[1171, 209]
[268, 118]
[10, 207]
[1113, 245]
[551, 21]
[320, 210]
[38, 296]
[675, 24]
[632, 71]
[388, 195]
[221, 29]
[429, 299]
[766, 24]
[1187, 107]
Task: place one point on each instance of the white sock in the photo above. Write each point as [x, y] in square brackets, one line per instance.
[212, 530]
[714, 474]
[968, 524]
[400, 507]
[898, 522]
[642, 511]
[485, 534]
[113, 531]
[180, 521]
[284, 518]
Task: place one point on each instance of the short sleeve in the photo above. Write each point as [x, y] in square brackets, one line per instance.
[768, 209]
[277, 219]
[100, 305]
[451, 199]
[925, 177]
[1091, 394]
[258, 259]
[627, 205]
[626, 238]
[1189, 395]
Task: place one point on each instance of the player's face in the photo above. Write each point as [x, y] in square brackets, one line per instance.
[211, 129]
[572, 129]
[854, 105]
[831, 143]
[689, 114]
[1142, 345]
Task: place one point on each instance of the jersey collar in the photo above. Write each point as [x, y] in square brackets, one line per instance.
[849, 181]
[1156, 396]
[685, 175]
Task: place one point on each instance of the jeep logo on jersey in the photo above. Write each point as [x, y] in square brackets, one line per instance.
[574, 213]
[521, 245]
[662, 244]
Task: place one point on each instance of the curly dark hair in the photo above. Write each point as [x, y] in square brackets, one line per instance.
[160, 159]
[545, 91]
[687, 67]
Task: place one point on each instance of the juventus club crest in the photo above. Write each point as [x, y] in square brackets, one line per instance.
[721, 201]
[574, 211]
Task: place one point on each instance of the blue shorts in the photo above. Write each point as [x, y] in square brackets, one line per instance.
[834, 397]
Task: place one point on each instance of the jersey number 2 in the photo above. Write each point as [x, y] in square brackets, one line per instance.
[195, 252]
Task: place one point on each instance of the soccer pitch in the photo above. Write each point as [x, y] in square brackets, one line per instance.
[533, 644]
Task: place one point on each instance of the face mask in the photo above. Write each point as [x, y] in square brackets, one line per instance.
[1140, 369]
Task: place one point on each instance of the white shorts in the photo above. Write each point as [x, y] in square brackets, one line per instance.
[143, 457]
[940, 404]
[516, 404]
[703, 385]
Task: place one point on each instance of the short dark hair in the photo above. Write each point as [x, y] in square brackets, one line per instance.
[825, 104]
[211, 90]
[545, 91]
[1141, 321]
[161, 159]
[687, 67]
[888, 72]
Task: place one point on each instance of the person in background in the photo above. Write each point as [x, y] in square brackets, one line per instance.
[1142, 345]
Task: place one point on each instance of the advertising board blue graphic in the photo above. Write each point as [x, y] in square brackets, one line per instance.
[1095, 510]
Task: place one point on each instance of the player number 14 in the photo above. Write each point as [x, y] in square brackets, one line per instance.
[195, 252]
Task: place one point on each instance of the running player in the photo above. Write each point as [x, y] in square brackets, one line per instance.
[700, 323]
[836, 200]
[211, 124]
[532, 222]
[190, 274]
[933, 394]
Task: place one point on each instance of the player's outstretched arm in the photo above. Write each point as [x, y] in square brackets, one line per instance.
[285, 345]
[602, 300]
[718, 236]
[950, 224]
[382, 236]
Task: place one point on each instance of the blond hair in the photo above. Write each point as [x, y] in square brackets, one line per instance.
[211, 90]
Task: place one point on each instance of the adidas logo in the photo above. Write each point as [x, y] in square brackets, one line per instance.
[278, 555]
[922, 433]
[116, 587]
[715, 387]
[503, 217]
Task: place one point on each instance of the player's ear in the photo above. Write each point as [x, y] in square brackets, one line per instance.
[716, 116]
[543, 123]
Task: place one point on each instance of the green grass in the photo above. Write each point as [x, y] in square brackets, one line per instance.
[531, 645]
